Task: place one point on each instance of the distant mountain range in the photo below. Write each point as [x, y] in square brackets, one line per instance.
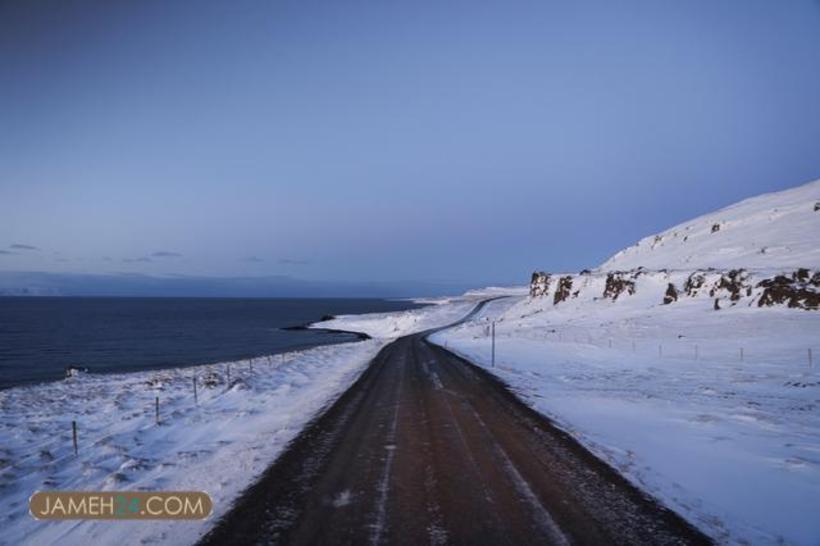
[14, 283]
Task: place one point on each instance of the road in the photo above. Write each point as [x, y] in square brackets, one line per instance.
[426, 448]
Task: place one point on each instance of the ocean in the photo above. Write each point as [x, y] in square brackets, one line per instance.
[40, 337]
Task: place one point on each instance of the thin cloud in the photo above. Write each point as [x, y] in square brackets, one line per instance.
[291, 261]
[254, 259]
[7, 252]
[18, 246]
[166, 254]
[142, 259]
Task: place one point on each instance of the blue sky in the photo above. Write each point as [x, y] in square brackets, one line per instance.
[368, 141]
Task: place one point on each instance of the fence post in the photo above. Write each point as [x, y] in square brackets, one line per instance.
[660, 351]
[156, 408]
[250, 366]
[493, 328]
[196, 398]
[741, 354]
[74, 435]
[811, 363]
[229, 375]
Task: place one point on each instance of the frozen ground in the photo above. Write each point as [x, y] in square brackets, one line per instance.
[219, 445]
[733, 445]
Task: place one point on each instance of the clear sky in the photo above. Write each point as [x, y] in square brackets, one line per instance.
[458, 141]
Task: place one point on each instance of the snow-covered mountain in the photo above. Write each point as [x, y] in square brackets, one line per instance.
[772, 231]
[762, 251]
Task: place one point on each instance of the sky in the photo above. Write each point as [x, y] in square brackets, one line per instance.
[466, 142]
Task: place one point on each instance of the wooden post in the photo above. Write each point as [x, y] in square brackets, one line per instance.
[229, 375]
[493, 328]
[74, 435]
[660, 351]
[196, 398]
[156, 408]
[811, 363]
[250, 366]
[741, 354]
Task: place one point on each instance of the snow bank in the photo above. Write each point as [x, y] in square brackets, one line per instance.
[219, 445]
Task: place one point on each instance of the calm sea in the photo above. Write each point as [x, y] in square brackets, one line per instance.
[39, 337]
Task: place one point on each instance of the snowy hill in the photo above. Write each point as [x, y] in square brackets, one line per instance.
[688, 362]
[771, 231]
[763, 251]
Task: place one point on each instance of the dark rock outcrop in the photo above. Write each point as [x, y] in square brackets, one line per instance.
[800, 291]
[563, 290]
[734, 282]
[617, 284]
[671, 294]
[694, 283]
[540, 284]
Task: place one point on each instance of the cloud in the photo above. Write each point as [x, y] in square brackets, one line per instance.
[292, 261]
[165, 254]
[253, 259]
[7, 252]
[18, 246]
[142, 259]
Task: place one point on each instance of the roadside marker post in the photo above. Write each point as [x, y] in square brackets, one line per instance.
[493, 350]
[196, 398]
[811, 363]
[74, 436]
[156, 408]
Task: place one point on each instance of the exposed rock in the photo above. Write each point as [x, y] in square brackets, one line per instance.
[734, 282]
[563, 290]
[817, 206]
[715, 227]
[800, 291]
[694, 283]
[671, 294]
[616, 285]
[540, 284]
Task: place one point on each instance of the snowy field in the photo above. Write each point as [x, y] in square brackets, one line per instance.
[220, 444]
[733, 445]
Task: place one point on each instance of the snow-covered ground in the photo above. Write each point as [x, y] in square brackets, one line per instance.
[734, 446]
[697, 384]
[219, 445]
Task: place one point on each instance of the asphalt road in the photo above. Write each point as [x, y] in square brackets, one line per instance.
[426, 448]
